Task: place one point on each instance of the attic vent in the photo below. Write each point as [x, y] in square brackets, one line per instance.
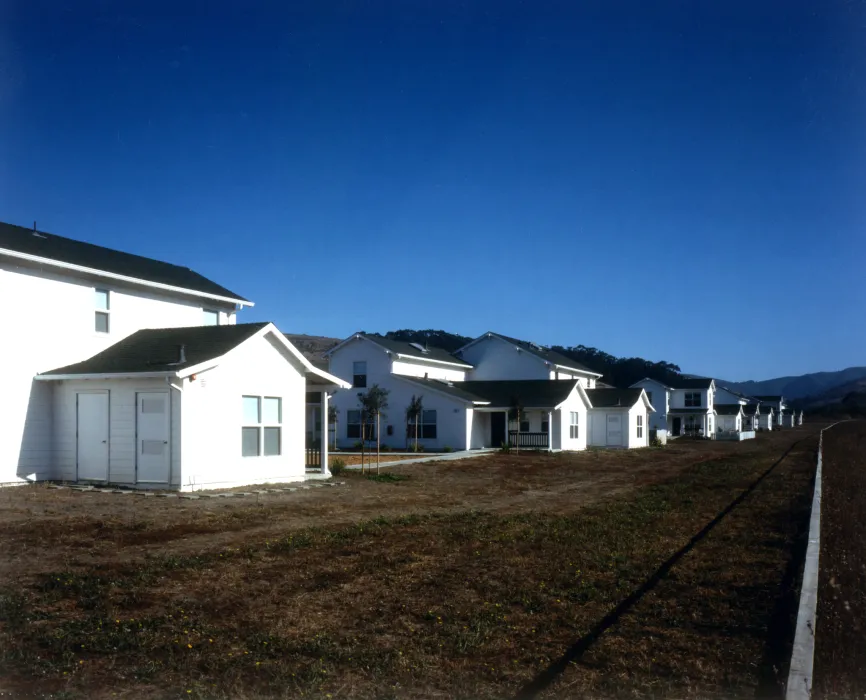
[420, 348]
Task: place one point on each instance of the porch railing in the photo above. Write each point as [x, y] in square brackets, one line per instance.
[313, 457]
[535, 440]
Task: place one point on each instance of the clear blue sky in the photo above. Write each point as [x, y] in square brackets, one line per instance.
[683, 183]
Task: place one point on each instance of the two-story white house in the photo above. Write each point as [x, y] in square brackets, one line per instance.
[779, 405]
[132, 371]
[687, 403]
[468, 397]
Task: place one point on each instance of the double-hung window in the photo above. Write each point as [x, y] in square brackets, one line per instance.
[262, 431]
[693, 399]
[102, 311]
[427, 426]
[353, 426]
[640, 426]
[574, 427]
[359, 375]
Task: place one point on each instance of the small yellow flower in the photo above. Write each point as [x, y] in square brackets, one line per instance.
[189, 646]
[81, 662]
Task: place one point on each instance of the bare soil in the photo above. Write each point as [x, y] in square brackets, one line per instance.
[648, 573]
[840, 631]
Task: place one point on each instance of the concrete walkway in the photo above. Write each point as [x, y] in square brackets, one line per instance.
[434, 457]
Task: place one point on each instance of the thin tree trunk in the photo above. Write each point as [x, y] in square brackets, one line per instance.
[363, 438]
[417, 418]
[377, 443]
[517, 445]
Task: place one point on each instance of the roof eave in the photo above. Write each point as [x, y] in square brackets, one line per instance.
[430, 359]
[105, 375]
[122, 278]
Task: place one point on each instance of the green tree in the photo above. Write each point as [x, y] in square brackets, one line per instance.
[374, 404]
[413, 415]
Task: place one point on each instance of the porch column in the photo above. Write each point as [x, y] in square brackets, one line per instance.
[324, 436]
[550, 431]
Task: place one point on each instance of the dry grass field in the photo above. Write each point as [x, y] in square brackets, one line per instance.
[653, 573]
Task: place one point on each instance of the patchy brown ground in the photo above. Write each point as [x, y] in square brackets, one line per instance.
[450, 579]
[840, 631]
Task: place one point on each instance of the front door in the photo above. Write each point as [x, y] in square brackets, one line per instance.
[92, 435]
[678, 425]
[497, 429]
[614, 429]
[152, 438]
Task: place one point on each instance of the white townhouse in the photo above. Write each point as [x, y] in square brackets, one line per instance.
[131, 371]
[751, 416]
[467, 396]
[683, 407]
[767, 417]
[735, 414]
[778, 403]
[497, 356]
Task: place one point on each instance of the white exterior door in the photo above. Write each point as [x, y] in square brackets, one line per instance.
[152, 438]
[614, 429]
[92, 435]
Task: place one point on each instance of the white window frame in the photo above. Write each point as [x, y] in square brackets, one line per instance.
[574, 426]
[355, 375]
[425, 413]
[692, 396]
[261, 425]
[640, 425]
[106, 312]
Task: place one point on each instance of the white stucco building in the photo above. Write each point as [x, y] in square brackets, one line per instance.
[133, 371]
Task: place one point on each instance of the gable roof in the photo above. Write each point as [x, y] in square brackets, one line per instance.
[532, 393]
[39, 246]
[404, 349]
[728, 409]
[734, 393]
[157, 351]
[538, 351]
[650, 379]
[614, 398]
[693, 383]
[772, 399]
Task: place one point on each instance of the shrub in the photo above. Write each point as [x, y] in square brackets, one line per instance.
[384, 448]
[656, 442]
[448, 448]
[416, 448]
[358, 446]
[505, 447]
[337, 466]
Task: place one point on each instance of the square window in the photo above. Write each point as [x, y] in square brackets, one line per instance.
[252, 410]
[101, 324]
[272, 411]
[272, 441]
[210, 318]
[101, 300]
[250, 442]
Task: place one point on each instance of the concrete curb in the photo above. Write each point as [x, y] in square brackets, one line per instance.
[799, 686]
[433, 457]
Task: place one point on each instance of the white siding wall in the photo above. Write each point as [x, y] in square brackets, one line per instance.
[496, 359]
[678, 398]
[563, 421]
[121, 422]
[52, 315]
[724, 396]
[412, 368]
[480, 430]
[660, 402]
[213, 418]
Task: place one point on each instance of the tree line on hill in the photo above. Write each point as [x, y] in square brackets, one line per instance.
[620, 372]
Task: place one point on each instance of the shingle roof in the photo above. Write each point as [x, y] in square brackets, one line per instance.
[158, 349]
[775, 399]
[612, 398]
[751, 409]
[403, 348]
[455, 389]
[547, 354]
[692, 383]
[532, 393]
[727, 409]
[67, 250]
[734, 393]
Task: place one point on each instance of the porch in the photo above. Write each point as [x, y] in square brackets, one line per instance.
[735, 435]
[690, 423]
[317, 429]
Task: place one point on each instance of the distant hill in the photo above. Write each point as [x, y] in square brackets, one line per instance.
[806, 385]
[312, 347]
